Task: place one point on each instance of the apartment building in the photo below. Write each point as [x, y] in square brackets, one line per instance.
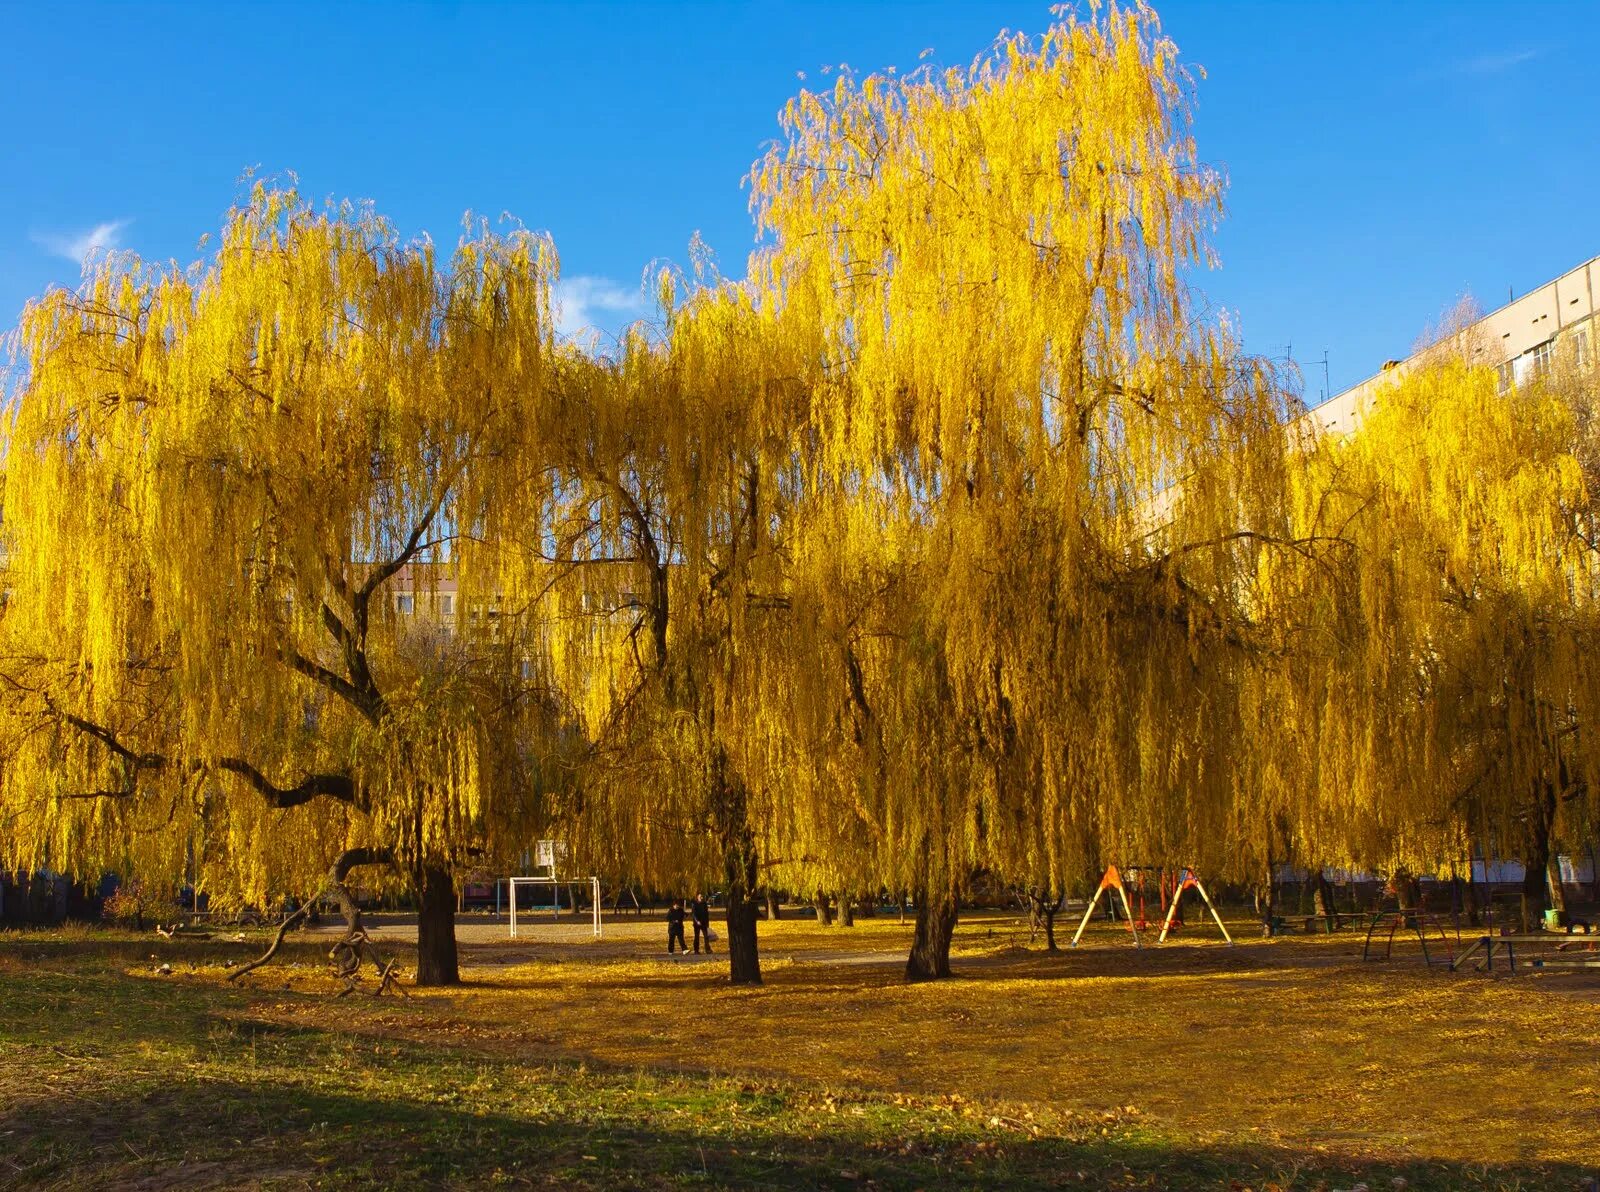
[426, 598]
[428, 594]
[426, 591]
[1520, 340]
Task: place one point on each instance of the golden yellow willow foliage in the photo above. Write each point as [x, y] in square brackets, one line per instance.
[1445, 689]
[216, 478]
[934, 544]
[885, 540]
[663, 508]
[954, 537]
[1037, 481]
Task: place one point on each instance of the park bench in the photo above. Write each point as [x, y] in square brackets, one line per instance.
[1325, 924]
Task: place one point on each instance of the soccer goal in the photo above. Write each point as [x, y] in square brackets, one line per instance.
[553, 907]
[545, 857]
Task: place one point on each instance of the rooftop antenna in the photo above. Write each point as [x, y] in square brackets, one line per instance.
[1326, 388]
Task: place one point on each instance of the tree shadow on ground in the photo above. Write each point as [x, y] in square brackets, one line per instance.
[114, 1080]
[152, 949]
[830, 972]
[271, 1134]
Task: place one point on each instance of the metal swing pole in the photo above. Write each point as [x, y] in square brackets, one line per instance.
[1221, 926]
[1172, 908]
[1122, 889]
[1112, 880]
[1087, 912]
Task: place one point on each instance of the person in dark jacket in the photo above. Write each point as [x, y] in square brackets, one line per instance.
[700, 911]
[675, 927]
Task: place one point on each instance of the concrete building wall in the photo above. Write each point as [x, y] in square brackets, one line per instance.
[1518, 339]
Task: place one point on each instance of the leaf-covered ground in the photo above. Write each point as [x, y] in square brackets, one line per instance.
[567, 1062]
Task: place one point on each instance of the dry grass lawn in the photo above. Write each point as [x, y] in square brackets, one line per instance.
[569, 1062]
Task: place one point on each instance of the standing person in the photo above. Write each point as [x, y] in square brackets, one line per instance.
[675, 927]
[701, 913]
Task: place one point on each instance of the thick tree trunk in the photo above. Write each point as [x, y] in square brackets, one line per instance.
[1558, 893]
[1537, 879]
[1466, 900]
[1535, 891]
[436, 928]
[824, 909]
[1470, 902]
[774, 905]
[744, 959]
[741, 874]
[930, 945]
[1267, 898]
[847, 910]
[1322, 895]
[1407, 892]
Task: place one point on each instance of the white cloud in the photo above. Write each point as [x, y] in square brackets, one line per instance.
[101, 238]
[584, 303]
[1490, 64]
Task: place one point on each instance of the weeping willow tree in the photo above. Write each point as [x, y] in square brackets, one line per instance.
[1456, 707]
[1038, 484]
[652, 514]
[955, 537]
[217, 479]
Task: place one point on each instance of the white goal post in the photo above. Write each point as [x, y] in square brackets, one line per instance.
[555, 885]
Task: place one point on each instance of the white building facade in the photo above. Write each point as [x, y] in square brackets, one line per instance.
[1519, 340]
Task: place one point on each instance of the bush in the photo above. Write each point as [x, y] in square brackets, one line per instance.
[136, 905]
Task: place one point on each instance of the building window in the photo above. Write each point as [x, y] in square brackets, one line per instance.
[1541, 357]
[1522, 369]
[1504, 372]
[404, 605]
[1580, 348]
[447, 605]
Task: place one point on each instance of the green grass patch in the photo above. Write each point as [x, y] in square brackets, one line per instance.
[602, 1072]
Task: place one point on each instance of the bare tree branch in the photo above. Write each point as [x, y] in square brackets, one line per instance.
[340, 787]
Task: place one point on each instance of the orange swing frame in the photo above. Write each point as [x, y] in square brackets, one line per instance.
[1112, 879]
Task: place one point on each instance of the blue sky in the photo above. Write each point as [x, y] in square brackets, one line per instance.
[1383, 158]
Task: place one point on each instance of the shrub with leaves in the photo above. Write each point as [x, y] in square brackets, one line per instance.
[135, 905]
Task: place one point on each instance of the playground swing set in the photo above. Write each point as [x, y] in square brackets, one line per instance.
[1170, 884]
